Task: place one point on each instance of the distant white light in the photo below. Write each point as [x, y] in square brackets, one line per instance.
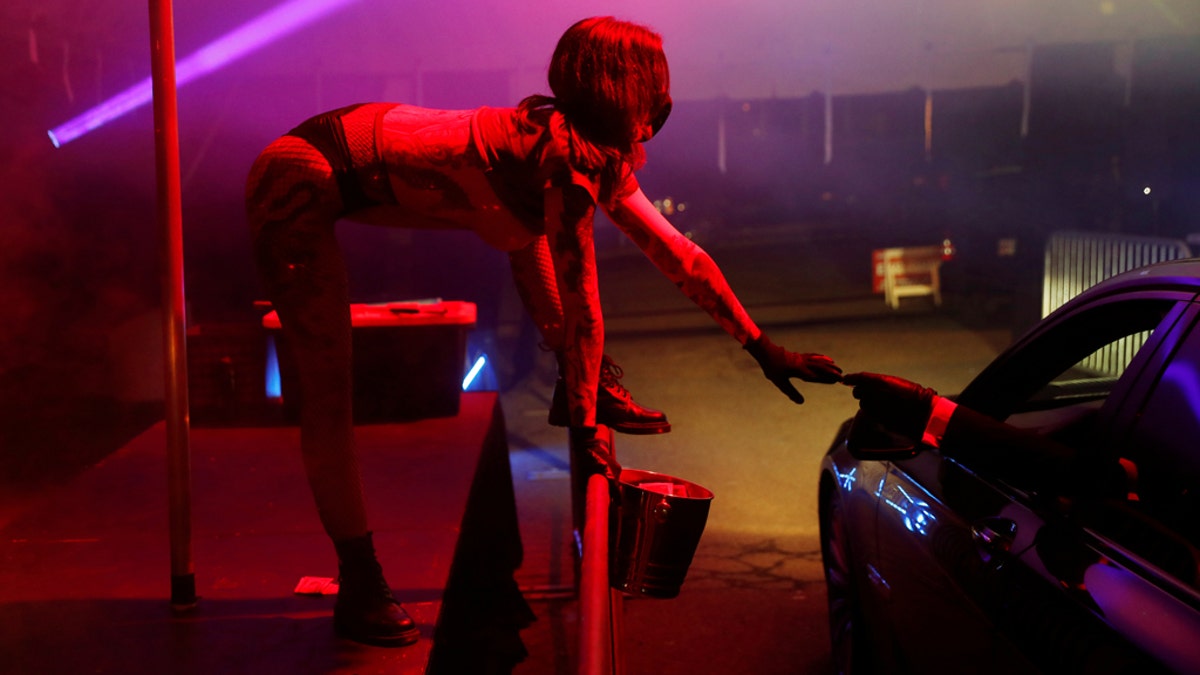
[1146, 190]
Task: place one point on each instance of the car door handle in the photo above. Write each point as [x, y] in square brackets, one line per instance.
[995, 535]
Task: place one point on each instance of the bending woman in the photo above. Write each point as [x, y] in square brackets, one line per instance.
[528, 181]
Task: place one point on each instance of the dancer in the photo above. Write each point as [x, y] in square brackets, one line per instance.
[527, 180]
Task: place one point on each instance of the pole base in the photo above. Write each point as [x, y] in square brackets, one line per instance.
[183, 592]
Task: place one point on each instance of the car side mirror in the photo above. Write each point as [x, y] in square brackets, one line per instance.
[869, 440]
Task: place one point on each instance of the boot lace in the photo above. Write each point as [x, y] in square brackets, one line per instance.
[610, 379]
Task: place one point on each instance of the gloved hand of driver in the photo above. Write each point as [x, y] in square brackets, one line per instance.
[896, 403]
[780, 366]
[596, 452]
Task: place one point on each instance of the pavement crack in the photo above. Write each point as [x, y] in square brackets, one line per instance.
[763, 564]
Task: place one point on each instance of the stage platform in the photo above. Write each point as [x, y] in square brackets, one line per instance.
[85, 568]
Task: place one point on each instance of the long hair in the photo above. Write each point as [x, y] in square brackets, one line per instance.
[609, 79]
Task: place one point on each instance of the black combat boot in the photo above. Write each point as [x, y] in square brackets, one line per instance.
[365, 610]
[615, 407]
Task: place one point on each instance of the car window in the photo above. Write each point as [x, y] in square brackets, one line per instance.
[1077, 360]
[1164, 443]
[1092, 377]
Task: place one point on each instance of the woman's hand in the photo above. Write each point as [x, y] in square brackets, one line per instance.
[594, 448]
[780, 366]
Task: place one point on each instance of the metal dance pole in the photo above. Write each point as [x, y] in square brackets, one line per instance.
[170, 220]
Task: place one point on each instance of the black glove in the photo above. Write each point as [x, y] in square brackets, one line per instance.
[595, 451]
[896, 403]
[780, 365]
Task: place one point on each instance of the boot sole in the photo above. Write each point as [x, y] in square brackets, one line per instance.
[647, 429]
[642, 429]
[399, 640]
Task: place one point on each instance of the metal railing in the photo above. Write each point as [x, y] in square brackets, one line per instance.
[1076, 261]
[600, 606]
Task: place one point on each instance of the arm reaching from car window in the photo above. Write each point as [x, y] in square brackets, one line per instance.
[1021, 456]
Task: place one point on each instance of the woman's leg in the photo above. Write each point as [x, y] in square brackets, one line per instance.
[533, 274]
[292, 204]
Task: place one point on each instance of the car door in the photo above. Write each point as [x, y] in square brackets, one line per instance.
[1135, 561]
[962, 553]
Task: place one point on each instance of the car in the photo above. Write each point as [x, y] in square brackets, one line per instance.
[940, 565]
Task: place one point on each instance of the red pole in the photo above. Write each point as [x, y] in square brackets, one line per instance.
[170, 220]
[595, 622]
[599, 605]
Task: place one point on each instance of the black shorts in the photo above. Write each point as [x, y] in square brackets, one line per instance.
[350, 152]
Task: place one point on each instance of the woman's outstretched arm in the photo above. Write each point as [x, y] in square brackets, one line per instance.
[696, 274]
[687, 265]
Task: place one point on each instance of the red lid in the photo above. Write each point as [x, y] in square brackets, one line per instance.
[404, 313]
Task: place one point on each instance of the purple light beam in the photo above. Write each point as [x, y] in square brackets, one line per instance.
[254, 34]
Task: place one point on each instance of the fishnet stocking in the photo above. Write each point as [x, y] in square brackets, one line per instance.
[533, 272]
